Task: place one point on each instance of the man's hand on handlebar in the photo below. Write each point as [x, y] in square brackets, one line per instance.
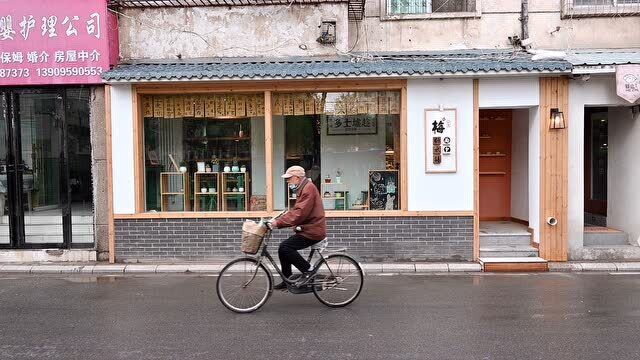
[269, 224]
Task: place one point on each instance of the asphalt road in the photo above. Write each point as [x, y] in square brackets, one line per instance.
[481, 316]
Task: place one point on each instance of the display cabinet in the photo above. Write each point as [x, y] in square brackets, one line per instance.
[174, 190]
[206, 191]
[235, 191]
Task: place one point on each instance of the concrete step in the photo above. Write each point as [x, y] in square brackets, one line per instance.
[508, 251]
[611, 237]
[611, 252]
[505, 239]
[514, 264]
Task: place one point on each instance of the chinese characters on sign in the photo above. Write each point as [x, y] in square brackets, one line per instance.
[41, 44]
[628, 82]
[352, 125]
[440, 146]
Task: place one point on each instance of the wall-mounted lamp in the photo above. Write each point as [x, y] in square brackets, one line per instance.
[557, 120]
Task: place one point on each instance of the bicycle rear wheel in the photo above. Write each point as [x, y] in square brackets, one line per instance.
[243, 286]
[338, 280]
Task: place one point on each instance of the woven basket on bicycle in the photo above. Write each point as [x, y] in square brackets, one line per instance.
[252, 236]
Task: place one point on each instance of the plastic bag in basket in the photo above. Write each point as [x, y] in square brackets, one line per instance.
[252, 234]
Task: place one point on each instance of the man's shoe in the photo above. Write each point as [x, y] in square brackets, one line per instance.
[281, 286]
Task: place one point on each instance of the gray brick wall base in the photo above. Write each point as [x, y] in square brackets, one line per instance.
[370, 239]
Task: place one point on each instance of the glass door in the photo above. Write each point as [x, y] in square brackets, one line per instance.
[5, 233]
[596, 161]
[39, 201]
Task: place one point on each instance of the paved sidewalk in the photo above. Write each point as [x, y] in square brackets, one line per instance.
[215, 266]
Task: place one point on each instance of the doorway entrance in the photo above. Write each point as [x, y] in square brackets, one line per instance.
[503, 159]
[596, 125]
[495, 164]
[45, 167]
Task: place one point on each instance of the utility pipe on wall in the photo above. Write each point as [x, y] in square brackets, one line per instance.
[524, 19]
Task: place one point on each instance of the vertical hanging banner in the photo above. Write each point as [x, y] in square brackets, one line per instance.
[628, 82]
[168, 107]
[440, 141]
[241, 105]
[44, 44]
[178, 106]
[158, 107]
[188, 106]
[147, 106]
[198, 106]
[251, 105]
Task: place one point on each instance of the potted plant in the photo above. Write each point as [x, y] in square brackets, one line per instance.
[184, 166]
[215, 165]
[338, 174]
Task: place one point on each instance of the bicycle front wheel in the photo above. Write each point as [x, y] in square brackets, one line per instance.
[338, 281]
[244, 286]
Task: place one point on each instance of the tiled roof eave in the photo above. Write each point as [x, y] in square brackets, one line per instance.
[422, 74]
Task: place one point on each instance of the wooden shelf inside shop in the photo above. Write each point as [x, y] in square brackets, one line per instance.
[485, 137]
[493, 173]
[493, 155]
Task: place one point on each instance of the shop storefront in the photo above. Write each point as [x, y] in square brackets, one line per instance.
[51, 104]
[604, 143]
[395, 158]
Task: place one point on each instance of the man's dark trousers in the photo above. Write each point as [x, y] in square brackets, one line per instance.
[288, 254]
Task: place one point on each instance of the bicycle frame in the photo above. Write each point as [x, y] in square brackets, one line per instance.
[265, 253]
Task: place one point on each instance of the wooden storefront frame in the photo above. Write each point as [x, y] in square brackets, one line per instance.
[268, 87]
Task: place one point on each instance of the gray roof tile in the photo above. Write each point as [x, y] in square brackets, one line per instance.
[381, 65]
[596, 57]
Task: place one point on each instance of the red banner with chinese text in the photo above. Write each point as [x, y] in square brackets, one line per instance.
[43, 43]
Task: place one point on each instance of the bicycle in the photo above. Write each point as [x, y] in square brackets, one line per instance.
[245, 284]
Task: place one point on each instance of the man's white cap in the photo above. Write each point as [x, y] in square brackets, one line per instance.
[294, 171]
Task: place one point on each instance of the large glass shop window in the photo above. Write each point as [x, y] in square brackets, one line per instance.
[204, 152]
[348, 143]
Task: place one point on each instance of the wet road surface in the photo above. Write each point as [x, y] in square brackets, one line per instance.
[479, 316]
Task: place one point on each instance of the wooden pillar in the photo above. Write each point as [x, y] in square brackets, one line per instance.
[268, 149]
[554, 170]
[476, 169]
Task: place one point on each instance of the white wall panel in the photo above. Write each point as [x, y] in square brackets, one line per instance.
[509, 93]
[122, 149]
[445, 191]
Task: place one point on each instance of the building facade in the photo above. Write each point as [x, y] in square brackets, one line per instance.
[435, 130]
[52, 112]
